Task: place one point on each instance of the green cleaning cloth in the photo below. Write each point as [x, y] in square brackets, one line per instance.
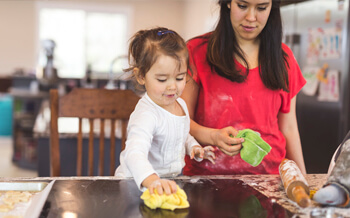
[254, 147]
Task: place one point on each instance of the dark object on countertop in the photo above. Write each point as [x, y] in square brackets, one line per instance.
[5, 84]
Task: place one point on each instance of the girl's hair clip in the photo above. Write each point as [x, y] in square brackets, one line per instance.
[162, 32]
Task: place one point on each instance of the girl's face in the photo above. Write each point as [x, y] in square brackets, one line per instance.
[249, 17]
[165, 81]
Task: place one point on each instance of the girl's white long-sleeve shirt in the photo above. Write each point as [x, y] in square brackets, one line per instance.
[156, 142]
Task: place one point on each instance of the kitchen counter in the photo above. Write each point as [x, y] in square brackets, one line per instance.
[220, 195]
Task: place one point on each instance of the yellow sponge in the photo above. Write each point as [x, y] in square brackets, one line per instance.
[169, 202]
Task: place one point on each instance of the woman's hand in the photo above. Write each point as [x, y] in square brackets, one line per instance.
[204, 153]
[223, 140]
[162, 185]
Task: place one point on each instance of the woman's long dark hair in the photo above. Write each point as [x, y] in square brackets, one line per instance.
[223, 45]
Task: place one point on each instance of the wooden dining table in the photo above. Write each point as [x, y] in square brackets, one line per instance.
[208, 196]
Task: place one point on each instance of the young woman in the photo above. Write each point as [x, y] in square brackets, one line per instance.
[158, 129]
[243, 76]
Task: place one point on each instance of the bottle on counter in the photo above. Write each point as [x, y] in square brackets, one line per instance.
[88, 82]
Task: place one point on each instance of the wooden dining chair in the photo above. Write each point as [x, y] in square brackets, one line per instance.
[90, 104]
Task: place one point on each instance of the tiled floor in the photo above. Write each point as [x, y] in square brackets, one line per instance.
[7, 167]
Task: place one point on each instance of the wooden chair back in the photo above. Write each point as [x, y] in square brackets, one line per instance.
[92, 104]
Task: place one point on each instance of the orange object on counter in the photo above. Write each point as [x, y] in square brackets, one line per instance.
[294, 183]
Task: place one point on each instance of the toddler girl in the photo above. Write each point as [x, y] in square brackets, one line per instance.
[158, 129]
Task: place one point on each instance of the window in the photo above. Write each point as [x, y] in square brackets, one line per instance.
[84, 35]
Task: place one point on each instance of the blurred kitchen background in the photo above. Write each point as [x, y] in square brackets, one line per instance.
[82, 43]
[71, 43]
[318, 34]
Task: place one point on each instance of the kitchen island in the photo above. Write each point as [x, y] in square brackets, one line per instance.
[209, 196]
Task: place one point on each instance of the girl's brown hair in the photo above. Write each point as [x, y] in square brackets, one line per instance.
[146, 45]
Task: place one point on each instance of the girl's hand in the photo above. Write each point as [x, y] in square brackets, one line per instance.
[163, 185]
[204, 153]
[228, 145]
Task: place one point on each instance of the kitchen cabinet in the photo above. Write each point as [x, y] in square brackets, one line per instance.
[68, 160]
[26, 107]
[68, 128]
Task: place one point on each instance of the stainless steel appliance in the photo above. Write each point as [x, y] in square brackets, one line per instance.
[318, 33]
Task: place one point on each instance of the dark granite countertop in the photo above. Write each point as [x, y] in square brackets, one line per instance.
[268, 185]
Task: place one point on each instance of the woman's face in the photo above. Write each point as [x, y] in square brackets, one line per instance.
[249, 17]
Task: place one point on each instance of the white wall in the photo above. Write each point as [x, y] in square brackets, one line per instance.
[17, 39]
[200, 17]
[19, 30]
